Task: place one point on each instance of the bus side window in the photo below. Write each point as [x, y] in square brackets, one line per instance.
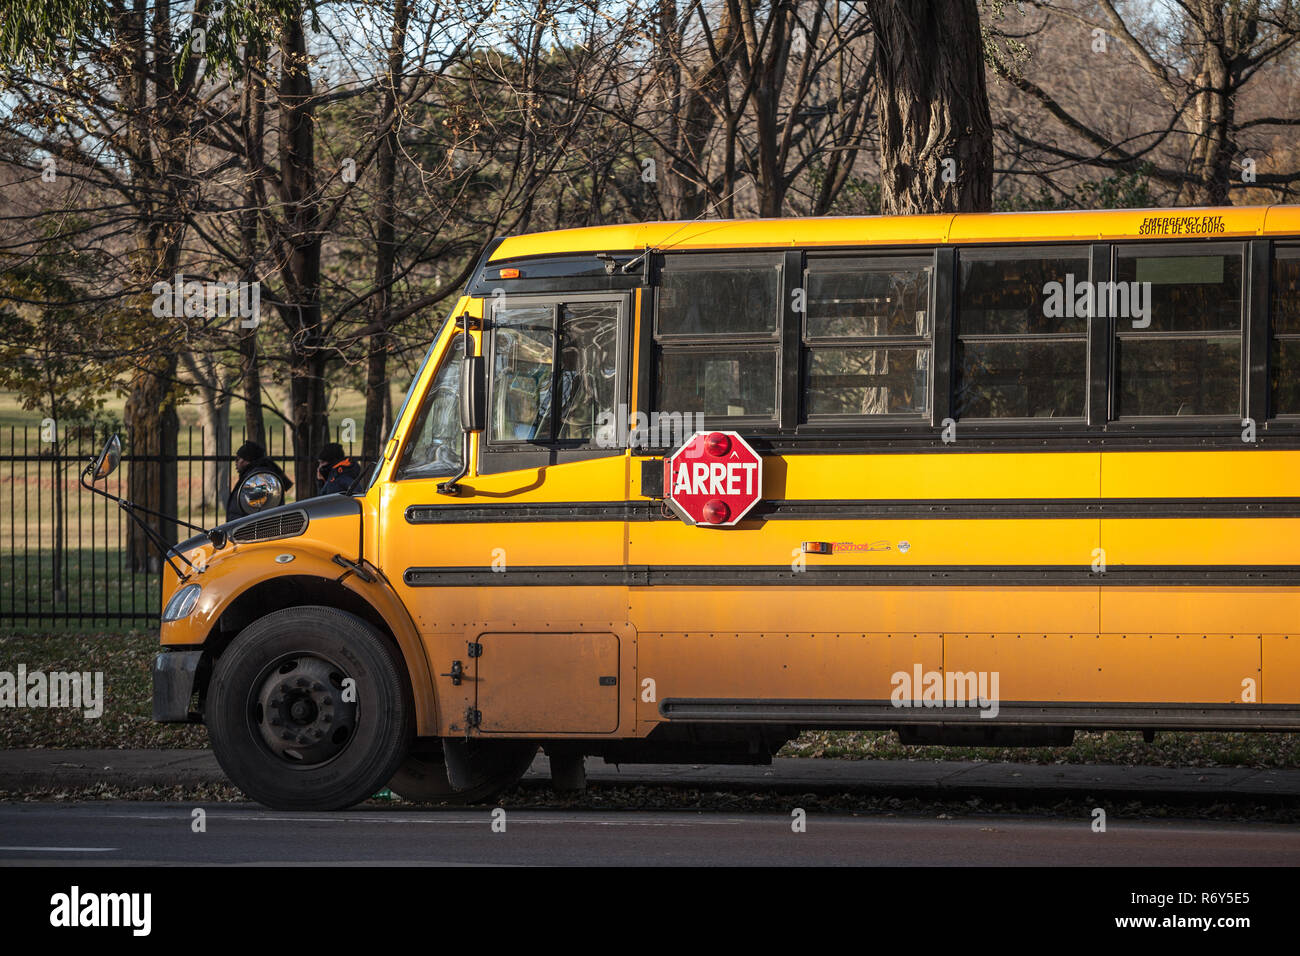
[717, 323]
[528, 343]
[522, 356]
[1021, 353]
[1284, 357]
[867, 336]
[1183, 356]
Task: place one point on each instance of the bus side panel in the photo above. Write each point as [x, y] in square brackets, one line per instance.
[1109, 668]
[1223, 544]
[1196, 611]
[774, 666]
[934, 475]
[1229, 553]
[546, 630]
[912, 610]
[1269, 615]
[548, 682]
[1281, 653]
[842, 643]
[940, 544]
[1249, 471]
[456, 577]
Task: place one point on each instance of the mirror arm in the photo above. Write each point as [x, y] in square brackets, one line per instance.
[154, 537]
[217, 537]
[130, 505]
[452, 485]
[159, 542]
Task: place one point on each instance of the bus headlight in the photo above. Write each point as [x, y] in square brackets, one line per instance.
[182, 603]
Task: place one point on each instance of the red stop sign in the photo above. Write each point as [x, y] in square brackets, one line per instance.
[714, 479]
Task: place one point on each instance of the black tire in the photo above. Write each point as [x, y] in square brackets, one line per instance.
[282, 727]
[497, 766]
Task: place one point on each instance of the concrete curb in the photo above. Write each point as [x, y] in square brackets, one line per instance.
[24, 771]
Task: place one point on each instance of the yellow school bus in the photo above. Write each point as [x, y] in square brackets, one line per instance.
[1021, 474]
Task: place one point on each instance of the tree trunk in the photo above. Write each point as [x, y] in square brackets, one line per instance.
[253, 128]
[388, 411]
[150, 414]
[308, 420]
[688, 117]
[152, 424]
[251, 375]
[936, 150]
[766, 64]
[301, 264]
[385, 252]
[1213, 117]
[376, 386]
[214, 419]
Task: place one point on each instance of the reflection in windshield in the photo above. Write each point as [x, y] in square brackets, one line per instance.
[436, 450]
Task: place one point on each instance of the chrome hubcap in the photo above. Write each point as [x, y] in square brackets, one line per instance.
[301, 713]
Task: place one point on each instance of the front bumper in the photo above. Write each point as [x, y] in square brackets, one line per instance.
[173, 685]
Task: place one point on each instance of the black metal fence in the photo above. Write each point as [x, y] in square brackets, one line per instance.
[64, 561]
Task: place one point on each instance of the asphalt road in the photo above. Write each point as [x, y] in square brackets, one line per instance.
[153, 833]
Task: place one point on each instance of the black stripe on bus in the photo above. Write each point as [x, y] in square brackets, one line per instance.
[822, 575]
[985, 509]
[882, 713]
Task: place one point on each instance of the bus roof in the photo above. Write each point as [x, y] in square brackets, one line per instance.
[1065, 226]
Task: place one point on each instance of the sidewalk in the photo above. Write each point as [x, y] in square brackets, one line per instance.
[26, 770]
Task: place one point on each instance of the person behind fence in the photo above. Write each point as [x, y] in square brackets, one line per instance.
[335, 471]
[261, 485]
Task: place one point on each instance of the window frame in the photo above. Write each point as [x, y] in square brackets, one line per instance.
[713, 262]
[1035, 250]
[660, 343]
[1099, 429]
[497, 455]
[1187, 249]
[1280, 250]
[806, 343]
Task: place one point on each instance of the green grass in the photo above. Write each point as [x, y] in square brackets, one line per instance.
[95, 582]
[125, 660]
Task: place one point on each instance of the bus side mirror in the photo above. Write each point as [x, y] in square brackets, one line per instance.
[473, 394]
[108, 459]
[473, 407]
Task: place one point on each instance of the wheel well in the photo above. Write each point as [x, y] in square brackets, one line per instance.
[272, 595]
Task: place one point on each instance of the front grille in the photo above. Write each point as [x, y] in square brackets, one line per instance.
[287, 525]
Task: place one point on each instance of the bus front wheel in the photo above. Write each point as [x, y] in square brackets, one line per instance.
[308, 709]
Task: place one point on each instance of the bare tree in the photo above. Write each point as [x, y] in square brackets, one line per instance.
[936, 136]
[113, 102]
[1184, 74]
